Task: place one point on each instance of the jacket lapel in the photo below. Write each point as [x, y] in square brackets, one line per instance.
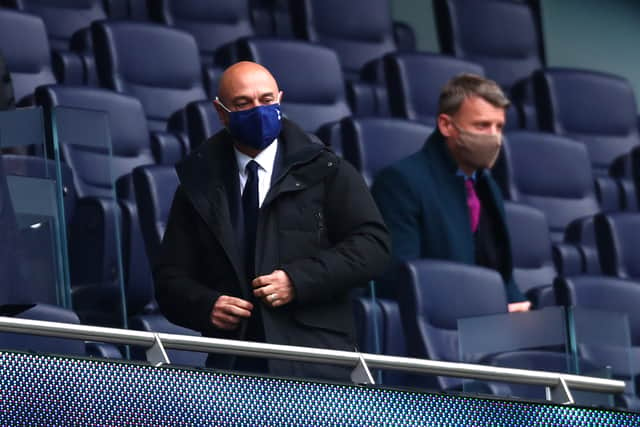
[209, 178]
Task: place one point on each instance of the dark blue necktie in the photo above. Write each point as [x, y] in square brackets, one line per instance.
[250, 205]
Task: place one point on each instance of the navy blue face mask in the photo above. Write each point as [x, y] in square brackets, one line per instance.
[256, 127]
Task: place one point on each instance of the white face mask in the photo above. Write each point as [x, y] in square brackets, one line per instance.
[477, 150]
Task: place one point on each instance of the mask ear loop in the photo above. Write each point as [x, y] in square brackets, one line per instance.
[217, 101]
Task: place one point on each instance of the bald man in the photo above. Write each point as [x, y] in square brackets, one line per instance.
[268, 233]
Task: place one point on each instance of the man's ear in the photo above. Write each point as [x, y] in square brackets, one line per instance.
[444, 124]
[222, 114]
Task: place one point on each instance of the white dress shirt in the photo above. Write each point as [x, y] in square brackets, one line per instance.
[265, 159]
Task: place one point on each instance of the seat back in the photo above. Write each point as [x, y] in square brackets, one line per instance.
[617, 237]
[433, 295]
[314, 94]
[158, 65]
[202, 121]
[565, 191]
[95, 170]
[211, 23]
[371, 144]
[359, 31]
[24, 45]
[154, 187]
[608, 128]
[413, 96]
[63, 18]
[530, 246]
[503, 36]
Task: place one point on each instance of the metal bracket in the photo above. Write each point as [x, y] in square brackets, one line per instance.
[156, 355]
[361, 373]
[560, 393]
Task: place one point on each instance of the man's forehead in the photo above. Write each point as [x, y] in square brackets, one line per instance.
[476, 107]
[248, 81]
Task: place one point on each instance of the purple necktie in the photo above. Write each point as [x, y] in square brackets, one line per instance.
[474, 204]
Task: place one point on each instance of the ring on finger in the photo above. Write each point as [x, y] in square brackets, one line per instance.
[273, 297]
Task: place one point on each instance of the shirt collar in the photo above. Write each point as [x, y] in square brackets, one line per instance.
[265, 159]
[473, 176]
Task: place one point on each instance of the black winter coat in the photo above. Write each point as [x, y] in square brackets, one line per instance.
[318, 223]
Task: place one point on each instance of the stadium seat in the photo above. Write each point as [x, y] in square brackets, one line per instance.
[154, 189]
[608, 294]
[414, 81]
[617, 236]
[534, 270]
[503, 36]
[62, 18]
[565, 192]
[358, 31]
[608, 129]
[158, 65]
[212, 24]
[159, 324]
[202, 121]
[135, 10]
[371, 144]
[25, 48]
[432, 296]
[314, 94]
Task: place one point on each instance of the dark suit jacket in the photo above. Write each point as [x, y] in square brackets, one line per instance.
[318, 223]
[423, 202]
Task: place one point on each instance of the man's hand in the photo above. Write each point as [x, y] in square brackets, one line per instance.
[229, 311]
[519, 306]
[274, 289]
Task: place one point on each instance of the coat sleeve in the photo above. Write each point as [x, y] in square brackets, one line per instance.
[361, 246]
[182, 298]
[400, 208]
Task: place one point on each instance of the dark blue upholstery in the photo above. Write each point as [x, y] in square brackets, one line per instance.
[63, 17]
[154, 187]
[371, 144]
[368, 324]
[359, 31]
[211, 23]
[608, 294]
[158, 65]
[608, 128]
[94, 174]
[25, 48]
[313, 90]
[202, 121]
[553, 174]
[393, 339]
[618, 237]
[534, 270]
[158, 323]
[127, 9]
[414, 82]
[503, 36]
[433, 295]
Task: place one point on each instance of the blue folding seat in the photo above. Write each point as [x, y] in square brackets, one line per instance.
[565, 191]
[314, 94]
[154, 189]
[159, 324]
[531, 251]
[503, 36]
[272, 18]
[212, 24]
[202, 121]
[608, 294]
[135, 10]
[618, 239]
[368, 324]
[371, 144]
[25, 48]
[414, 81]
[432, 296]
[608, 128]
[358, 31]
[158, 65]
[62, 18]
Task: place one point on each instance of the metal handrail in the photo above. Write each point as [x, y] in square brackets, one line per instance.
[551, 380]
